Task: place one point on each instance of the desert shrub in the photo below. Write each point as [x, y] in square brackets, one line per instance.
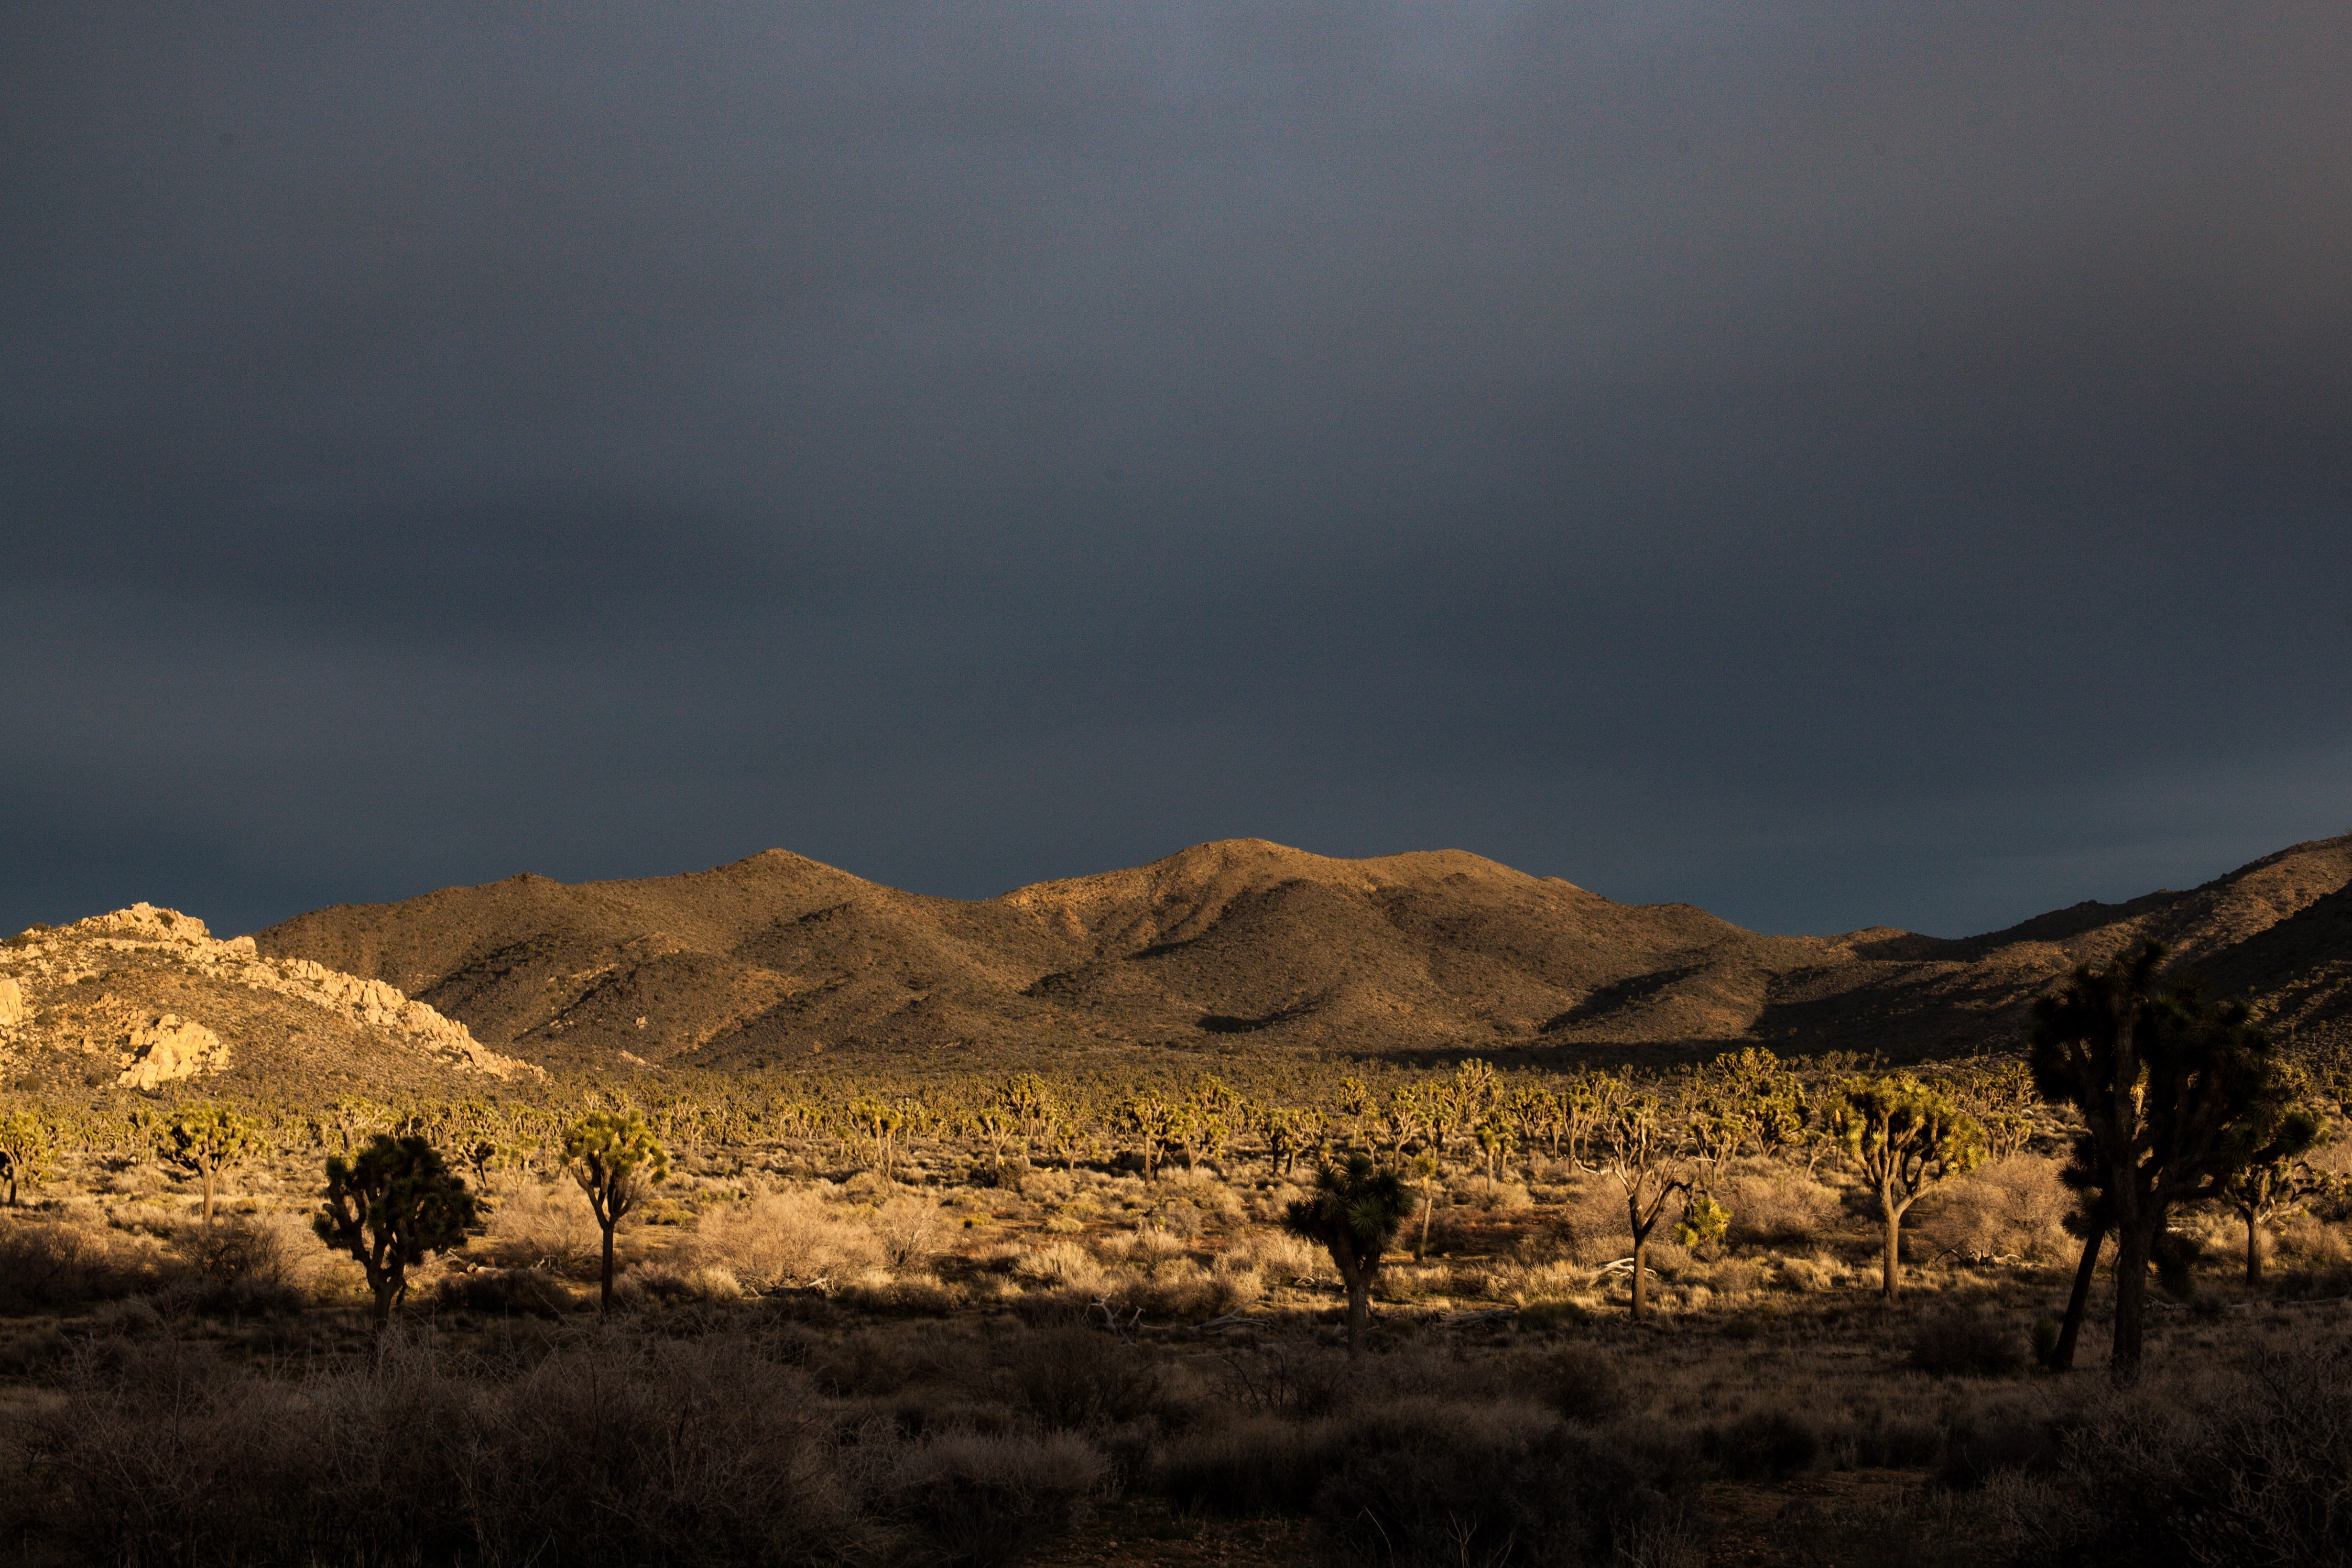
[784, 1238]
[1278, 1254]
[2012, 1209]
[1211, 1200]
[1258, 1465]
[1293, 1378]
[2238, 1465]
[1064, 1266]
[248, 1296]
[1068, 1377]
[540, 1225]
[1177, 1218]
[1763, 1445]
[1776, 1205]
[1738, 1276]
[1233, 1287]
[1427, 1481]
[47, 1263]
[986, 1500]
[1580, 1383]
[1967, 1343]
[2306, 1243]
[1269, 1206]
[662, 1452]
[1484, 1195]
[908, 1229]
[1147, 1243]
[2001, 1442]
[1879, 1441]
[1177, 1288]
[670, 1285]
[1809, 1273]
[275, 1248]
[531, 1290]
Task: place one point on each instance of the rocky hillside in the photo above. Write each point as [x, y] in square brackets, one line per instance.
[145, 998]
[1249, 944]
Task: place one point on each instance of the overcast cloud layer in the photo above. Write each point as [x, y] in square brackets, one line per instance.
[1834, 464]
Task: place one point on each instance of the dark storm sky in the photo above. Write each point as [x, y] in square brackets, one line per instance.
[1834, 464]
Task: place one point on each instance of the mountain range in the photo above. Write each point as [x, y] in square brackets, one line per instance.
[1245, 945]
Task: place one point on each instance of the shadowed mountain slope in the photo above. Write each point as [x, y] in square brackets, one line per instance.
[1249, 944]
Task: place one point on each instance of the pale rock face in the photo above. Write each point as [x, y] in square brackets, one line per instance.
[169, 1048]
[145, 922]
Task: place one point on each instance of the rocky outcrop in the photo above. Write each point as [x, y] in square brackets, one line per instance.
[169, 1047]
[162, 1047]
[382, 1007]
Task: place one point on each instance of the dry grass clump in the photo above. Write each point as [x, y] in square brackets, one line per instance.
[1773, 1205]
[539, 1225]
[1065, 1266]
[2011, 1210]
[1148, 1243]
[657, 1284]
[54, 1263]
[1277, 1255]
[778, 1238]
[503, 1290]
[910, 1230]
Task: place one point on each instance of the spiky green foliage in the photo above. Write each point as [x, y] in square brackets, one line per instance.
[1352, 1213]
[205, 1139]
[1905, 1137]
[2270, 1174]
[2169, 1085]
[391, 1207]
[617, 1160]
[27, 1139]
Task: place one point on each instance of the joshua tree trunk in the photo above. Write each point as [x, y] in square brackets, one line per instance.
[2253, 1249]
[1420, 1252]
[2133, 1243]
[1359, 1309]
[1891, 1210]
[605, 1298]
[1641, 1274]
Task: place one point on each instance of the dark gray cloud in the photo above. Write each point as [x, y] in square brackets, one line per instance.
[1834, 465]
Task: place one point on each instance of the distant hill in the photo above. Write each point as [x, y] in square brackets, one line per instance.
[1247, 944]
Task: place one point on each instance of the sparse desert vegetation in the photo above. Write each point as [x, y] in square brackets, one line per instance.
[1026, 1318]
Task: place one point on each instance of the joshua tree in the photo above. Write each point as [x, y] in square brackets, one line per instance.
[1353, 1214]
[2271, 1176]
[1496, 1138]
[1403, 1118]
[1650, 1158]
[207, 1139]
[1904, 1137]
[1424, 1176]
[878, 1120]
[28, 1139]
[616, 1159]
[1153, 1121]
[391, 1207]
[2169, 1085]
